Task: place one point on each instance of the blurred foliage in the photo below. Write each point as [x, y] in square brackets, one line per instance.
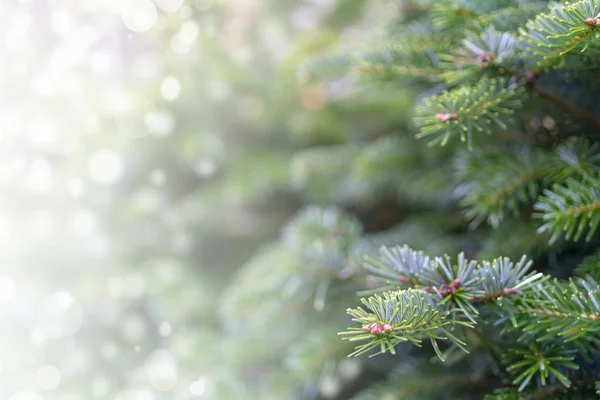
[145, 158]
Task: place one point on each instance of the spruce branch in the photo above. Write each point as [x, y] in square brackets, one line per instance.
[496, 183]
[576, 158]
[501, 278]
[397, 265]
[486, 51]
[401, 316]
[467, 110]
[544, 361]
[453, 282]
[566, 28]
[570, 311]
[590, 266]
[571, 209]
[447, 294]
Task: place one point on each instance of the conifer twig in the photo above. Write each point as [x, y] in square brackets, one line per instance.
[563, 104]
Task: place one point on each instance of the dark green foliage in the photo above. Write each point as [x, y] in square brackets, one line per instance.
[572, 210]
[495, 184]
[590, 266]
[542, 361]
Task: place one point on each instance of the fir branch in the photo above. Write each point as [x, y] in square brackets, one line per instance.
[543, 361]
[576, 158]
[560, 314]
[399, 266]
[571, 209]
[590, 266]
[569, 311]
[486, 51]
[515, 183]
[396, 317]
[463, 111]
[496, 183]
[502, 278]
[458, 287]
[564, 29]
[464, 280]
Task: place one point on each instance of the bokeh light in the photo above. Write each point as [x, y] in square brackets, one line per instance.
[135, 166]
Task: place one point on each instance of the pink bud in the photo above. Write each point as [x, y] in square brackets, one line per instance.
[376, 330]
[387, 328]
[510, 291]
[446, 117]
[592, 22]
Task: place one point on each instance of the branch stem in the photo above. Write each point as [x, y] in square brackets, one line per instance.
[565, 105]
[590, 317]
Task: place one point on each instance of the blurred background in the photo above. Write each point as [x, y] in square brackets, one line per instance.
[146, 172]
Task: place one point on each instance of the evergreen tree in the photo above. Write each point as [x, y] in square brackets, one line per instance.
[462, 203]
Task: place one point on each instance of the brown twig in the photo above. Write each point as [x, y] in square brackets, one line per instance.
[565, 105]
